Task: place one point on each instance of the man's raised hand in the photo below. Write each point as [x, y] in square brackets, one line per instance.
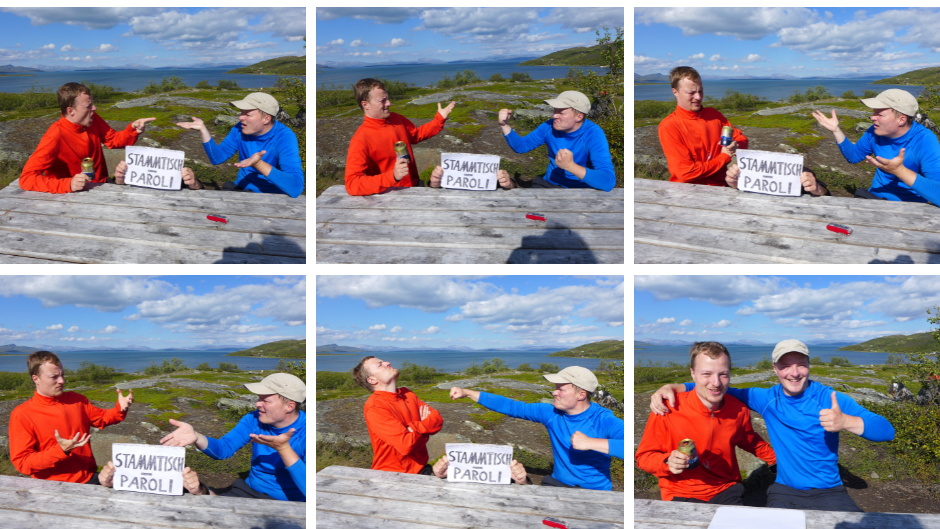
[564, 159]
[457, 393]
[73, 443]
[195, 124]
[830, 124]
[125, 402]
[276, 442]
[504, 115]
[832, 420]
[141, 124]
[889, 166]
[251, 161]
[444, 112]
[184, 435]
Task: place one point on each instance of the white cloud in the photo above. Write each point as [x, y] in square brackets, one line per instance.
[55, 327]
[396, 329]
[717, 57]
[68, 47]
[753, 57]
[380, 327]
[430, 330]
[431, 294]
[74, 328]
[110, 329]
[357, 43]
[720, 290]
[385, 15]
[697, 56]
[741, 23]
[685, 323]
[666, 320]
[582, 20]
[104, 293]
[337, 42]
[395, 43]
[615, 324]
[105, 48]
[87, 17]
[49, 46]
[721, 324]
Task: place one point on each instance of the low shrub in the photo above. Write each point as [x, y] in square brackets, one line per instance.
[812, 94]
[334, 380]
[10, 381]
[225, 84]
[225, 366]
[543, 367]
[736, 102]
[94, 373]
[203, 85]
[765, 363]
[649, 109]
[520, 77]
[204, 367]
[848, 95]
[840, 361]
[497, 78]
[916, 436]
[410, 373]
[524, 367]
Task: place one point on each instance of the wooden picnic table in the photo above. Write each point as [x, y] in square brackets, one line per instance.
[426, 225]
[124, 224]
[27, 503]
[686, 223]
[656, 514]
[358, 498]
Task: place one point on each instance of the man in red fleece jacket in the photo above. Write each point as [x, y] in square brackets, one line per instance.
[56, 166]
[49, 433]
[372, 166]
[716, 422]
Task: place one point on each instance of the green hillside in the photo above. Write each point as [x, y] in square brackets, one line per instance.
[604, 349]
[333, 348]
[289, 65]
[915, 343]
[571, 57]
[924, 76]
[279, 349]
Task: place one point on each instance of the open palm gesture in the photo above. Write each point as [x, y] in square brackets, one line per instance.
[830, 124]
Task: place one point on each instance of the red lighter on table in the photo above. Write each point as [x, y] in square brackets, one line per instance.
[555, 522]
[839, 228]
[217, 218]
[535, 216]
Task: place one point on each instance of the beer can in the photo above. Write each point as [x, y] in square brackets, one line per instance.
[687, 447]
[727, 134]
[401, 149]
[88, 167]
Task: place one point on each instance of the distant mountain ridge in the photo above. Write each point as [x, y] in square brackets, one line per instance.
[750, 343]
[391, 349]
[923, 342]
[9, 68]
[601, 349]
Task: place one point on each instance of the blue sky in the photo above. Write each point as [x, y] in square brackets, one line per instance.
[375, 35]
[116, 36]
[476, 312]
[156, 312]
[798, 41]
[774, 308]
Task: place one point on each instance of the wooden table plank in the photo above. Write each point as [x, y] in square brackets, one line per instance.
[467, 219]
[348, 497]
[96, 212]
[379, 254]
[540, 193]
[655, 514]
[447, 203]
[650, 253]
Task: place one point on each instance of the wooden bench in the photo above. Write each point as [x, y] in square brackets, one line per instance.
[425, 225]
[124, 224]
[357, 498]
[656, 514]
[687, 223]
[27, 503]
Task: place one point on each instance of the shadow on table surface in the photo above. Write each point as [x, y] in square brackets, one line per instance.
[271, 246]
[934, 257]
[879, 520]
[533, 248]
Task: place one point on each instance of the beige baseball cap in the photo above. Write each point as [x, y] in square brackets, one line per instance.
[571, 99]
[259, 100]
[579, 376]
[790, 346]
[900, 100]
[283, 384]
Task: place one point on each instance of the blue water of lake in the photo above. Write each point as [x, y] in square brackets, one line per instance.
[775, 90]
[131, 361]
[452, 361]
[743, 355]
[131, 80]
[430, 74]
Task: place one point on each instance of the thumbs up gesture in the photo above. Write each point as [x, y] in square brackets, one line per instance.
[832, 420]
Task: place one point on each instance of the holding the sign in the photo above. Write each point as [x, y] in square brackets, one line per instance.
[149, 468]
[469, 171]
[155, 168]
[770, 173]
[478, 463]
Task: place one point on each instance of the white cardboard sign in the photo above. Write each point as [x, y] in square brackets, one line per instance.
[154, 469]
[156, 168]
[479, 463]
[770, 173]
[475, 172]
[748, 517]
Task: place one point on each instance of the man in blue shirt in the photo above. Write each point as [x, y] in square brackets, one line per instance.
[583, 434]
[905, 154]
[578, 153]
[270, 157]
[804, 419]
[277, 430]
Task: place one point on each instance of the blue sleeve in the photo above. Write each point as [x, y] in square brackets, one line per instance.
[615, 439]
[601, 176]
[856, 152]
[298, 471]
[532, 140]
[229, 146]
[751, 397]
[927, 183]
[231, 442]
[877, 428]
[540, 413]
[288, 174]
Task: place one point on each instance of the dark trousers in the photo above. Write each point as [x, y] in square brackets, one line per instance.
[733, 495]
[549, 481]
[428, 470]
[538, 181]
[835, 499]
[240, 489]
[864, 193]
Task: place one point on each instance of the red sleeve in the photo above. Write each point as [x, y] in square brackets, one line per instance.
[100, 418]
[652, 453]
[431, 424]
[358, 183]
[26, 453]
[388, 428]
[752, 442]
[112, 138]
[428, 130]
[46, 154]
[682, 161]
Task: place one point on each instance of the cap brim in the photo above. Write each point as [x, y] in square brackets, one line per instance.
[556, 379]
[260, 389]
[556, 103]
[242, 105]
[874, 103]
